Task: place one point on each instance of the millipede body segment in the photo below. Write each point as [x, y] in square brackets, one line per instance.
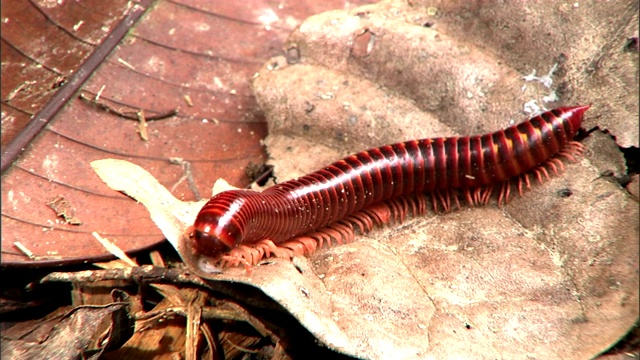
[471, 166]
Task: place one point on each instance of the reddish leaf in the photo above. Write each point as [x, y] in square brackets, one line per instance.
[193, 57]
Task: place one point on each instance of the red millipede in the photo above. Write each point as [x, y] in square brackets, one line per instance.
[300, 214]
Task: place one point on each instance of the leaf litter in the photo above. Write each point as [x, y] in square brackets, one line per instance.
[548, 276]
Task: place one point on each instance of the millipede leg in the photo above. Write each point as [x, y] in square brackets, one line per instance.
[486, 195]
[505, 190]
[467, 194]
[553, 167]
[455, 197]
[558, 162]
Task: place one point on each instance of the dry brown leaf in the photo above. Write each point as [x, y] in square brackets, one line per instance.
[541, 277]
[75, 335]
[167, 212]
[186, 64]
[475, 282]
[552, 275]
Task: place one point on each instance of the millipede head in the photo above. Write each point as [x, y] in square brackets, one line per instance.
[214, 235]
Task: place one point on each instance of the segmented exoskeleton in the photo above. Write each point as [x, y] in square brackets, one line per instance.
[326, 203]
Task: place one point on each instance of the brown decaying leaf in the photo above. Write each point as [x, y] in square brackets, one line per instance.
[203, 51]
[552, 293]
[547, 276]
[445, 277]
[543, 276]
[72, 336]
[591, 37]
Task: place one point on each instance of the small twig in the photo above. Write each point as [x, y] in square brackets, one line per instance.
[114, 249]
[259, 175]
[187, 175]
[19, 88]
[238, 347]
[208, 313]
[28, 253]
[131, 115]
[262, 178]
[121, 61]
[24, 250]
[97, 98]
[142, 126]
[187, 98]
[164, 115]
[156, 258]
[138, 274]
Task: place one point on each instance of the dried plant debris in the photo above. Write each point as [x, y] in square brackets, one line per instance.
[186, 299]
[63, 209]
[138, 115]
[551, 275]
[75, 335]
